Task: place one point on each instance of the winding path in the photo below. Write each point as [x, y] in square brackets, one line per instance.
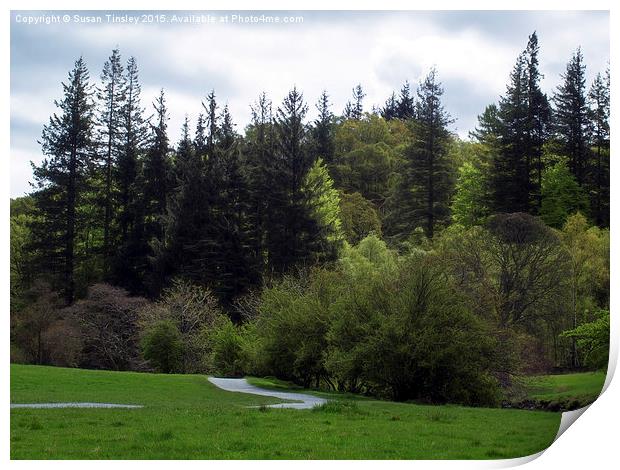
[72, 405]
[242, 386]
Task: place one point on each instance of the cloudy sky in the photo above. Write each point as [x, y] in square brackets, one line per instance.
[472, 51]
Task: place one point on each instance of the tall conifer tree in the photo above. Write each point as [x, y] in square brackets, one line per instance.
[422, 196]
[511, 170]
[406, 103]
[111, 98]
[390, 109]
[538, 119]
[599, 175]
[62, 180]
[130, 262]
[571, 117]
[323, 132]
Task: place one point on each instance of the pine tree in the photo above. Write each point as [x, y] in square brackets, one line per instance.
[200, 139]
[259, 150]
[62, 179]
[487, 132]
[599, 175]
[511, 170]
[130, 263]
[185, 148]
[538, 117]
[406, 104]
[571, 117]
[133, 132]
[236, 258]
[520, 129]
[390, 109]
[423, 192]
[323, 133]
[189, 217]
[157, 163]
[155, 183]
[211, 123]
[226, 131]
[111, 98]
[208, 235]
[355, 109]
[292, 234]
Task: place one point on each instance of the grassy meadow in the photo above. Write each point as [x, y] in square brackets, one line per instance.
[186, 417]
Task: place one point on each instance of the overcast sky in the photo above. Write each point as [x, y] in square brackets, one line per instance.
[472, 51]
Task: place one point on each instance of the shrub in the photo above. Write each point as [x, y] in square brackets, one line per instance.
[194, 311]
[292, 327]
[410, 336]
[30, 324]
[162, 346]
[593, 340]
[108, 327]
[378, 325]
[225, 349]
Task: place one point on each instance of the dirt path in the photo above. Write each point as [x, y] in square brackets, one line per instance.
[242, 386]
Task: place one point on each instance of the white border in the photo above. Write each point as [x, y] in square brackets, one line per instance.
[590, 443]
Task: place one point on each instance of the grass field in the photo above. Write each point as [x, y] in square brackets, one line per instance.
[186, 417]
[566, 390]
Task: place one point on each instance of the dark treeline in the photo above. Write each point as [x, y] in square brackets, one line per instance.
[116, 202]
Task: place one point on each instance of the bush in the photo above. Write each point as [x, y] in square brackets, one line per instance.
[108, 327]
[225, 349]
[194, 311]
[31, 324]
[379, 325]
[409, 336]
[593, 340]
[162, 346]
[292, 329]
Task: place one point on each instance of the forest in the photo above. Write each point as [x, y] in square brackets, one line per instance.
[370, 250]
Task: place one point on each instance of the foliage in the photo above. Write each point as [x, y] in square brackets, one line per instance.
[366, 154]
[469, 205]
[21, 258]
[422, 194]
[514, 272]
[593, 340]
[355, 316]
[162, 346]
[325, 204]
[30, 325]
[561, 195]
[359, 218]
[224, 357]
[370, 350]
[193, 310]
[107, 320]
[587, 249]
[62, 181]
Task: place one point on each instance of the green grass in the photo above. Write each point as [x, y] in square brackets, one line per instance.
[579, 389]
[186, 417]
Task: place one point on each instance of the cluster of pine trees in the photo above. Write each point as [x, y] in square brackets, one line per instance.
[115, 200]
[527, 134]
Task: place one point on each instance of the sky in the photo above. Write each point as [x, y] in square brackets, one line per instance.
[239, 55]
